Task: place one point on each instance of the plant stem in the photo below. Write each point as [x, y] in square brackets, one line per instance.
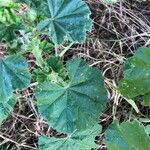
[56, 51]
[66, 49]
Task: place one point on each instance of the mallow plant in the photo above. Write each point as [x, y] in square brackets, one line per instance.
[71, 95]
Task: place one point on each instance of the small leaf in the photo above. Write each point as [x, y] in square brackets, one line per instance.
[6, 108]
[14, 75]
[38, 55]
[39, 75]
[78, 104]
[67, 19]
[37, 52]
[53, 69]
[83, 140]
[56, 65]
[136, 80]
[46, 46]
[127, 136]
[8, 32]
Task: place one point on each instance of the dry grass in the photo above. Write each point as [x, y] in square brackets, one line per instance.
[118, 31]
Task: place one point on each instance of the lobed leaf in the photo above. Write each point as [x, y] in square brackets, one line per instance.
[83, 140]
[76, 105]
[136, 80]
[6, 108]
[127, 136]
[14, 75]
[67, 19]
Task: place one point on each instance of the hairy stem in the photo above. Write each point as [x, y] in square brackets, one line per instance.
[66, 49]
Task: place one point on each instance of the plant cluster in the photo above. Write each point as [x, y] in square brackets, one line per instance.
[70, 95]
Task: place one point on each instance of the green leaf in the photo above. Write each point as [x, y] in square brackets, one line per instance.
[136, 80]
[8, 16]
[52, 71]
[37, 52]
[78, 104]
[46, 46]
[2, 147]
[14, 75]
[56, 65]
[127, 136]
[67, 19]
[31, 15]
[83, 140]
[41, 8]
[8, 32]
[6, 108]
[147, 129]
[146, 99]
[38, 55]
[39, 75]
[5, 3]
